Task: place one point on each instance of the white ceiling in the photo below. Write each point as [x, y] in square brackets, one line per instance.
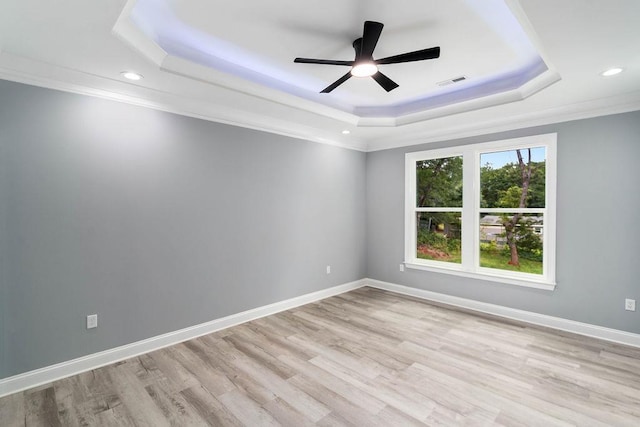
[527, 62]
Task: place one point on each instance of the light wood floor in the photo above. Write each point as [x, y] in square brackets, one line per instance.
[365, 358]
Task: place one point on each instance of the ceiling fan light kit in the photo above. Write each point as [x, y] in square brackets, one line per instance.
[364, 65]
[364, 69]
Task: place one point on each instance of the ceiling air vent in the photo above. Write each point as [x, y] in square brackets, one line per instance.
[451, 81]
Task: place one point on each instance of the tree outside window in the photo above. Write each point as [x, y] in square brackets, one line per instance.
[515, 243]
[484, 209]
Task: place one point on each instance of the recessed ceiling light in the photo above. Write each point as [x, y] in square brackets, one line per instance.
[346, 132]
[364, 69]
[611, 72]
[131, 75]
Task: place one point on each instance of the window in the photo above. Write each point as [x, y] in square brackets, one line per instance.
[484, 210]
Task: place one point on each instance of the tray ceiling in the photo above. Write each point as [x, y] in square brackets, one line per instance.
[482, 41]
[525, 62]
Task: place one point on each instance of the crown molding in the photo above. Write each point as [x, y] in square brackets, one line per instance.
[578, 111]
[134, 37]
[191, 70]
[541, 75]
[38, 73]
[126, 31]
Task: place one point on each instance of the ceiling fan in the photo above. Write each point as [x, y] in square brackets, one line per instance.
[364, 65]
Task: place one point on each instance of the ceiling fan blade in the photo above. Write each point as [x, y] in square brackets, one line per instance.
[418, 55]
[384, 81]
[323, 61]
[337, 83]
[370, 36]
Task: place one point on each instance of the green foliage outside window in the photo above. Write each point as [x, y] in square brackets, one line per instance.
[439, 184]
[515, 185]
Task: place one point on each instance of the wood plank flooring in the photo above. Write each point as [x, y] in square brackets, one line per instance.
[364, 358]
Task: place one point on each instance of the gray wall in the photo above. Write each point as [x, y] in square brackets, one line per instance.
[4, 303]
[157, 222]
[598, 225]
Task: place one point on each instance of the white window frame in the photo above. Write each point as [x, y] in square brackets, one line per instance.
[470, 212]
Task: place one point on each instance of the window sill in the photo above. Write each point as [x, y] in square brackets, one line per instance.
[536, 284]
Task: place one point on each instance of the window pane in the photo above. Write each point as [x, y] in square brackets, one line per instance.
[512, 242]
[439, 236]
[505, 175]
[439, 182]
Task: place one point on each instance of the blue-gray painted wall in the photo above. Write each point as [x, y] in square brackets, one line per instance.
[157, 222]
[598, 227]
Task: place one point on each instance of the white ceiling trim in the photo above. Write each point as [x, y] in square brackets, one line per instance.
[37, 73]
[539, 83]
[130, 34]
[578, 111]
[127, 31]
[191, 70]
[74, 49]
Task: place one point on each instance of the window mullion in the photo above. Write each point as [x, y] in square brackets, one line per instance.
[410, 209]
[438, 209]
[470, 174]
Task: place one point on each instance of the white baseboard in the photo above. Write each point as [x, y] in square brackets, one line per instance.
[58, 371]
[586, 329]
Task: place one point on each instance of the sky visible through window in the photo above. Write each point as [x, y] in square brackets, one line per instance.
[501, 158]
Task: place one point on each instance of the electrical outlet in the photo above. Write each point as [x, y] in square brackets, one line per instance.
[92, 321]
[630, 304]
[401, 267]
[328, 269]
